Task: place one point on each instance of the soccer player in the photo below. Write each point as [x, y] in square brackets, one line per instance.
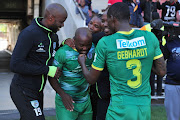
[129, 56]
[72, 98]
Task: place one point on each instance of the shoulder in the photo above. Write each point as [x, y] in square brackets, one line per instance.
[32, 31]
[62, 49]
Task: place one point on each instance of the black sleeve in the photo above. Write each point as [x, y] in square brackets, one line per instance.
[19, 60]
[177, 5]
[142, 4]
[97, 36]
[159, 6]
[165, 51]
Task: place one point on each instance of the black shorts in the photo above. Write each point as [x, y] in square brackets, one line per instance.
[28, 102]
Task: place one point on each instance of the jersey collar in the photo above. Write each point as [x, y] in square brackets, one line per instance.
[126, 32]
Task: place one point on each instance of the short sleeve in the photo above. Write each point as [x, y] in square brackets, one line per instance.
[59, 58]
[100, 55]
[158, 54]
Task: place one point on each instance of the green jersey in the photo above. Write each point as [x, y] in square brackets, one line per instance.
[72, 80]
[129, 57]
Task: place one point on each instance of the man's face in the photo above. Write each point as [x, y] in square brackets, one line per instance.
[95, 25]
[105, 24]
[83, 44]
[58, 22]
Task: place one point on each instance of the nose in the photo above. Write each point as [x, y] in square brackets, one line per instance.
[85, 48]
[105, 24]
[91, 27]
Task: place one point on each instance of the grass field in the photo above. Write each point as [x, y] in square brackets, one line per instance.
[157, 113]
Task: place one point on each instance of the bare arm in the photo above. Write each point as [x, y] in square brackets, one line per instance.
[66, 99]
[92, 75]
[159, 67]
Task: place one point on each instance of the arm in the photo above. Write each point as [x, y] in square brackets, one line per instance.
[159, 67]
[92, 75]
[77, 10]
[103, 10]
[19, 60]
[66, 99]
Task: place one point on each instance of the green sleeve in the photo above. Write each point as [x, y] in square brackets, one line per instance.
[59, 58]
[100, 55]
[158, 54]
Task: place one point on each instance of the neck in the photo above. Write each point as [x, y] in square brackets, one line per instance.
[44, 22]
[123, 26]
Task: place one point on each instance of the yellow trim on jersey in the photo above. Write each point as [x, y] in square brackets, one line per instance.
[96, 68]
[126, 32]
[157, 57]
[75, 49]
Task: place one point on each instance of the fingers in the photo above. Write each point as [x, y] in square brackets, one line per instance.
[69, 105]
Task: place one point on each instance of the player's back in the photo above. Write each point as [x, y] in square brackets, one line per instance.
[129, 58]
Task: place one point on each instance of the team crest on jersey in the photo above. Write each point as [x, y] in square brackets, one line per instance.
[35, 103]
[133, 43]
[89, 55]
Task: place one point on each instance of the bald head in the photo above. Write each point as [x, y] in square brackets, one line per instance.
[54, 17]
[54, 9]
[83, 32]
[83, 40]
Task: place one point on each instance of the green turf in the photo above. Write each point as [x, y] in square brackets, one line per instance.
[158, 112]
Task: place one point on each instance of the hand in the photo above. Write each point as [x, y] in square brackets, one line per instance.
[58, 73]
[81, 59]
[67, 101]
[70, 42]
[103, 10]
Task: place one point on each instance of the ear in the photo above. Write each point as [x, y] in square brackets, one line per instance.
[114, 19]
[51, 18]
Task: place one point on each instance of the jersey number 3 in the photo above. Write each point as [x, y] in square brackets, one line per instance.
[135, 65]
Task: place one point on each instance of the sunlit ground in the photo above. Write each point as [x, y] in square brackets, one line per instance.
[3, 44]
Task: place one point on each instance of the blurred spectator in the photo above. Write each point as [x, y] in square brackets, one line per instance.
[169, 9]
[96, 28]
[88, 3]
[147, 27]
[84, 9]
[111, 2]
[136, 19]
[148, 7]
[95, 12]
[171, 52]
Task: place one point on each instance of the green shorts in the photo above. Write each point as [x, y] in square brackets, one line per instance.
[82, 111]
[129, 112]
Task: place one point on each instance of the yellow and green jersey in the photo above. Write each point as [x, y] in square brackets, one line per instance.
[72, 80]
[129, 57]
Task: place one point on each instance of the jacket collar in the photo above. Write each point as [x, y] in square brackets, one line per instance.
[37, 21]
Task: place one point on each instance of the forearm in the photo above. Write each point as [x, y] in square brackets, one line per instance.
[159, 67]
[88, 75]
[55, 85]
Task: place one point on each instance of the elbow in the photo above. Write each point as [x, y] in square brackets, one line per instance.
[91, 80]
